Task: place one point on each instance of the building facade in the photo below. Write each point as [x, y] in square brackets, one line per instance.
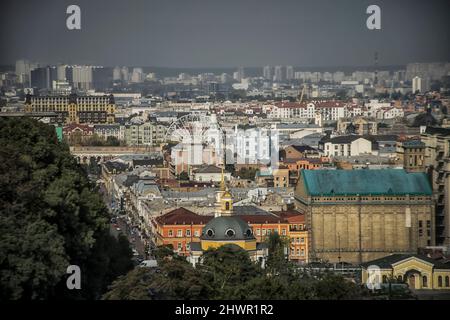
[437, 163]
[74, 108]
[361, 215]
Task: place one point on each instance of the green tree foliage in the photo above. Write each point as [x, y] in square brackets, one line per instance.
[230, 268]
[51, 217]
[247, 173]
[77, 139]
[228, 273]
[174, 279]
[183, 176]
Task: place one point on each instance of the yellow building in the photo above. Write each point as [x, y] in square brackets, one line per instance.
[419, 272]
[74, 108]
[227, 229]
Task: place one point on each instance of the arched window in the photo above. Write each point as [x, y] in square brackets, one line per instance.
[424, 281]
[447, 281]
[210, 232]
[227, 206]
[384, 278]
[400, 278]
[440, 281]
[230, 233]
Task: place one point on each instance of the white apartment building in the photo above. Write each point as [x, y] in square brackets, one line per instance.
[345, 146]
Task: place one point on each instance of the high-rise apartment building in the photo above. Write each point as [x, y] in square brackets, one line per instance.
[278, 74]
[82, 77]
[267, 72]
[289, 72]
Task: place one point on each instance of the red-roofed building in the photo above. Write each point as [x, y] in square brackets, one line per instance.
[180, 227]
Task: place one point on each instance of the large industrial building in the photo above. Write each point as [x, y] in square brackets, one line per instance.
[359, 215]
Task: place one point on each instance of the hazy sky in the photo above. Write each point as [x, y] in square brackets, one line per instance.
[226, 33]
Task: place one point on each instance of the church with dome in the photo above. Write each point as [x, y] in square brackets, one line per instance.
[226, 228]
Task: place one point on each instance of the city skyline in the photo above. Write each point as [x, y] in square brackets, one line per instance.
[225, 35]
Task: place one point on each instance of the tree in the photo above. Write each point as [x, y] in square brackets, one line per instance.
[230, 267]
[277, 262]
[175, 279]
[52, 217]
[183, 176]
[247, 173]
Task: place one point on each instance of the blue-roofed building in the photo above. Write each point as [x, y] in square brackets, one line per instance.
[361, 215]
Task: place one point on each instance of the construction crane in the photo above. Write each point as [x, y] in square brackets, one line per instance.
[301, 95]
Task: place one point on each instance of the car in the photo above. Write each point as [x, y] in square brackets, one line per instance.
[118, 229]
[148, 264]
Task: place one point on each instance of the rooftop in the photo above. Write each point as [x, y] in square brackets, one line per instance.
[365, 182]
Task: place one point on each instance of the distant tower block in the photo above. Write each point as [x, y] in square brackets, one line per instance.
[375, 81]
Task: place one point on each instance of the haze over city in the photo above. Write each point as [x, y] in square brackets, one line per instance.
[205, 33]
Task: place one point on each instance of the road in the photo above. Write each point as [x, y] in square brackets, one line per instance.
[124, 226]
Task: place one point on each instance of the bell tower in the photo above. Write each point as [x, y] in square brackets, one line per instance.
[224, 200]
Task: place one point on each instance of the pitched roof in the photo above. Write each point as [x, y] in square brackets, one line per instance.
[208, 169]
[147, 162]
[388, 261]
[183, 216]
[303, 148]
[342, 139]
[365, 182]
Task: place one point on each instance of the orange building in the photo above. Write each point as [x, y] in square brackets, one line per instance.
[304, 163]
[178, 228]
[181, 227]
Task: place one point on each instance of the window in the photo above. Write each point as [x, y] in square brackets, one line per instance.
[188, 247]
[302, 240]
[179, 233]
[268, 232]
[230, 233]
[447, 281]
[196, 233]
[424, 281]
[170, 233]
[188, 233]
[210, 232]
[283, 232]
[384, 278]
[263, 232]
[302, 252]
[440, 281]
[258, 232]
[179, 246]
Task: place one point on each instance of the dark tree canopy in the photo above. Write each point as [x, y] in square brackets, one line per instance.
[228, 273]
[51, 217]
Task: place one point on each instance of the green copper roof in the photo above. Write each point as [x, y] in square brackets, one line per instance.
[59, 133]
[365, 182]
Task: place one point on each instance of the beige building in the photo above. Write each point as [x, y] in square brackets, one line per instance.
[358, 125]
[74, 108]
[419, 272]
[437, 162]
[411, 154]
[361, 215]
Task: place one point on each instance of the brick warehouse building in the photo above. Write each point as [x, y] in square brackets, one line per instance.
[360, 215]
